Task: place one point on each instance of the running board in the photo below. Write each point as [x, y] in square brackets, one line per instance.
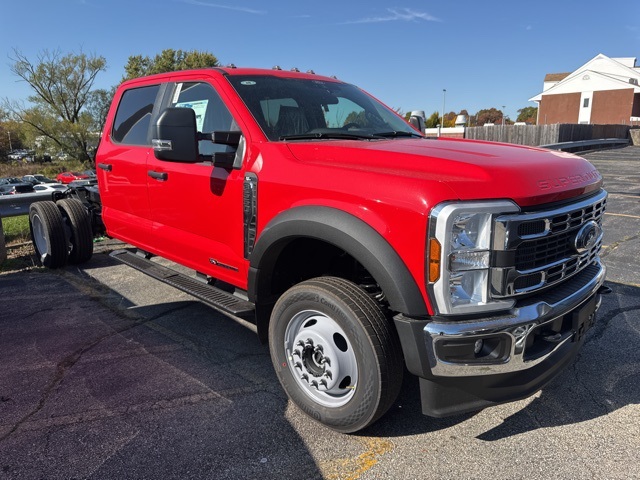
[209, 294]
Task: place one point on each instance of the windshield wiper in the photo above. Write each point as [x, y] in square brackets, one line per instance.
[395, 134]
[332, 135]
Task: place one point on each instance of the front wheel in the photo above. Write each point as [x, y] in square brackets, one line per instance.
[335, 353]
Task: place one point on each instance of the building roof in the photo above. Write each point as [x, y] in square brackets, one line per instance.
[556, 77]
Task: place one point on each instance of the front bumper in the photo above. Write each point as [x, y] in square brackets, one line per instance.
[467, 365]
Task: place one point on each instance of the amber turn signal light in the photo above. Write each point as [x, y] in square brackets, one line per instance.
[434, 260]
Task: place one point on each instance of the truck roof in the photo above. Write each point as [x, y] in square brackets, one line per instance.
[232, 70]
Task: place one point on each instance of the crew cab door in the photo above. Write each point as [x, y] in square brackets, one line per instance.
[197, 208]
[121, 163]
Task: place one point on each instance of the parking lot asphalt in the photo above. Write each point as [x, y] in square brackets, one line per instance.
[107, 373]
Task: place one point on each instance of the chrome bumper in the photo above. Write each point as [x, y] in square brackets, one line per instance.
[510, 333]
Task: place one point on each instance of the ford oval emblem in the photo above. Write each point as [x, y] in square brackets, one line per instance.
[587, 237]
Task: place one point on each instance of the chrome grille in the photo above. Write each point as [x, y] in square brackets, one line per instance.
[537, 250]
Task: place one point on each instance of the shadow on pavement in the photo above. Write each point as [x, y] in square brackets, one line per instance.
[151, 392]
[604, 377]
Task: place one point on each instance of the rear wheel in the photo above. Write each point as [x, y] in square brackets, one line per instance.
[48, 235]
[78, 224]
[335, 353]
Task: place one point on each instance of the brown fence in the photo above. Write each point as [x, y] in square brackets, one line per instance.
[535, 135]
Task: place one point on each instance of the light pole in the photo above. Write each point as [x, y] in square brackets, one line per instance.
[10, 147]
[444, 96]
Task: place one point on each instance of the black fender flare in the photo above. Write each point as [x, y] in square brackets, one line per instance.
[346, 232]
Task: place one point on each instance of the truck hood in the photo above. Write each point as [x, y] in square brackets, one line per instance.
[472, 169]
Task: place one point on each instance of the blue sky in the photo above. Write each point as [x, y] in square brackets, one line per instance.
[405, 52]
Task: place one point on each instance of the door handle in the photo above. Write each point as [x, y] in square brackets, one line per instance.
[161, 176]
[105, 166]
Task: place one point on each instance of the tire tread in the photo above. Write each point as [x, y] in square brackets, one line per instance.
[382, 340]
[79, 223]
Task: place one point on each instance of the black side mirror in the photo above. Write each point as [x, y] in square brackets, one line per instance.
[230, 138]
[226, 138]
[175, 136]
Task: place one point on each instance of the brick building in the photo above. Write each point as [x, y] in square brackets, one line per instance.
[602, 91]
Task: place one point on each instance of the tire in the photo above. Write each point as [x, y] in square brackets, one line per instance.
[78, 223]
[48, 235]
[335, 353]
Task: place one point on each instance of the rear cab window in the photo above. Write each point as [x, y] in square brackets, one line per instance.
[133, 117]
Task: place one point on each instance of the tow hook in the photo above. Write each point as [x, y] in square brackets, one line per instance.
[554, 338]
[604, 290]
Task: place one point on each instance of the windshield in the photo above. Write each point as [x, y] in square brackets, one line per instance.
[294, 108]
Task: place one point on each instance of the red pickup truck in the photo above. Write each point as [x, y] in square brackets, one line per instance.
[358, 247]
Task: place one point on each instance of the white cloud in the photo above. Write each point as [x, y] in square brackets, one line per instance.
[226, 7]
[402, 14]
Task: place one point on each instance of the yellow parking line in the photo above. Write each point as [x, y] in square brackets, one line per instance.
[352, 468]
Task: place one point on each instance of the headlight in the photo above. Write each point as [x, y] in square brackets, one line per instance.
[459, 257]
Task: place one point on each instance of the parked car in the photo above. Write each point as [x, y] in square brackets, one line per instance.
[21, 155]
[90, 173]
[7, 189]
[13, 185]
[50, 187]
[37, 178]
[68, 177]
[13, 188]
[10, 180]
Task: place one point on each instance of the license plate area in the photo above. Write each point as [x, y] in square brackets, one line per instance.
[545, 338]
[583, 319]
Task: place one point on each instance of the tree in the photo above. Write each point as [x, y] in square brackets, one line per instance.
[98, 106]
[5, 135]
[450, 119]
[12, 135]
[490, 115]
[168, 60]
[528, 115]
[433, 121]
[62, 86]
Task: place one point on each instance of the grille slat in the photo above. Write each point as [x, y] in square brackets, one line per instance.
[544, 246]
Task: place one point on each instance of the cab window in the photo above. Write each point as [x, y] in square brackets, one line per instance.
[131, 125]
[211, 113]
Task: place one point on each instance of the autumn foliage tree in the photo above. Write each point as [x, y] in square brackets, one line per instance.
[528, 115]
[489, 115]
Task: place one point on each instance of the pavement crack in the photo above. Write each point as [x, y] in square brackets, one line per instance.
[62, 368]
[596, 399]
[609, 249]
[603, 323]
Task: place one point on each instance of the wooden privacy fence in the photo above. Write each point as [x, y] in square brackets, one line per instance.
[536, 135]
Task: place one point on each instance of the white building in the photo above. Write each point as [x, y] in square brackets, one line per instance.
[602, 91]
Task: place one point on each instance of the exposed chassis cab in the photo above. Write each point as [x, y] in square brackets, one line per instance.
[358, 248]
